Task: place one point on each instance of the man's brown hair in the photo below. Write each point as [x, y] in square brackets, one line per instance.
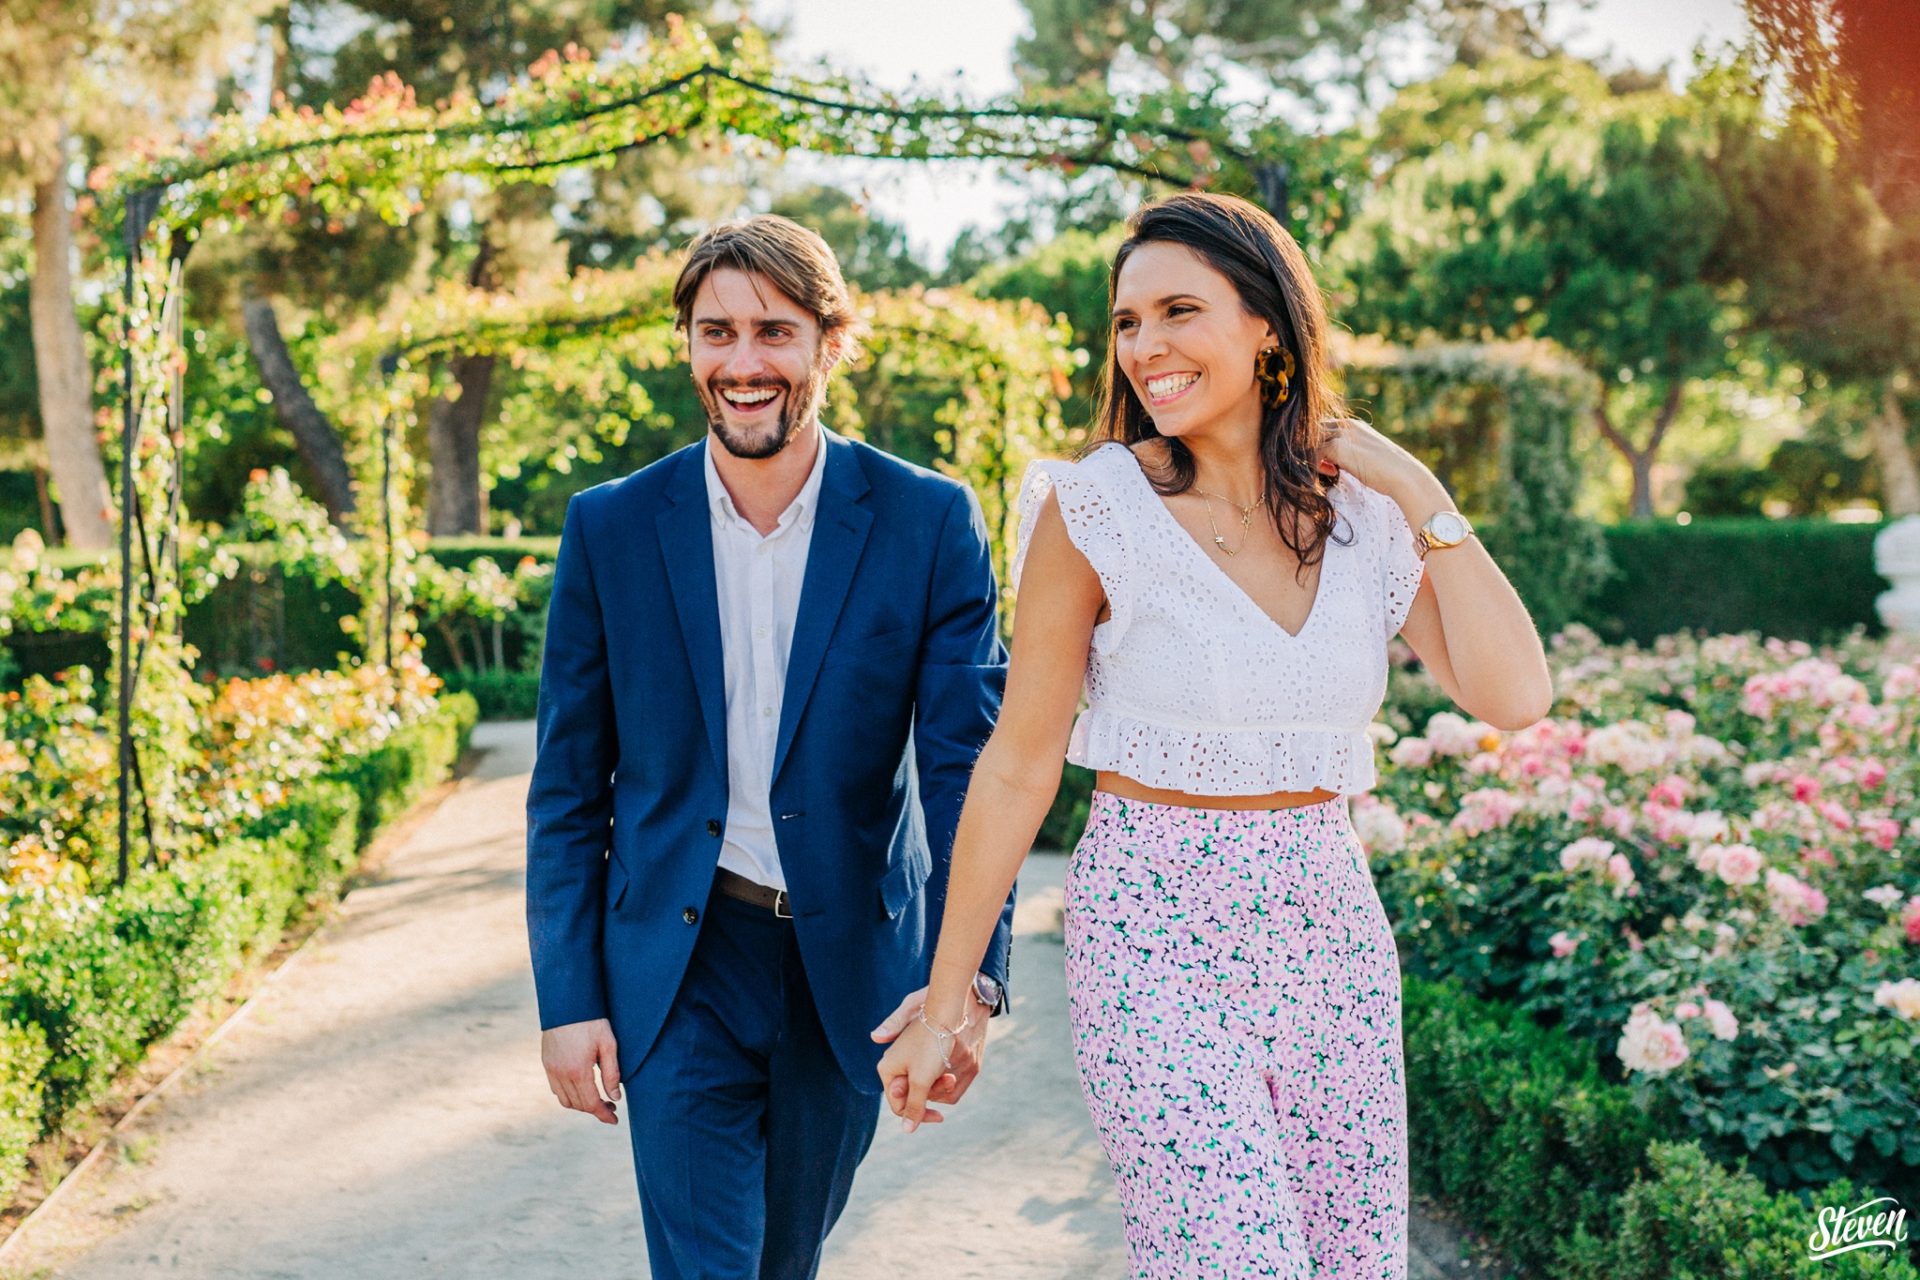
[795, 259]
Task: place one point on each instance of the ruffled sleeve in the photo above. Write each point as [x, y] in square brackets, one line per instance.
[1400, 567]
[1093, 514]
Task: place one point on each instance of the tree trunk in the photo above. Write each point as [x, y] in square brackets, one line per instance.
[456, 502]
[49, 523]
[1899, 475]
[313, 434]
[1641, 460]
[60, 361]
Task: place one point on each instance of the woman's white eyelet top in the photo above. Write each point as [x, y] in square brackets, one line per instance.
[1191, 686]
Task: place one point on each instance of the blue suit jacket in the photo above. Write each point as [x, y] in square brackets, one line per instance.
[893, 683]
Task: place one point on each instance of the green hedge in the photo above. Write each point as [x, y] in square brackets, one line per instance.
[1515, 1128]
[94, 984]
[502, 695]
[1794, 579]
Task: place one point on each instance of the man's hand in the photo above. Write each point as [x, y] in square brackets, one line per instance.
[570, 1054]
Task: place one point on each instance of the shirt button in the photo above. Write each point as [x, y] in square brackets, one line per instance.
[760, 631]
[690, 916]
[766, 711]
[713, 826]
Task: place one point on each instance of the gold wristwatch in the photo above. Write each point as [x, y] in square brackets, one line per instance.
[1444, 529]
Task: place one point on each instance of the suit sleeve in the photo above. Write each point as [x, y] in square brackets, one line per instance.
[570, 799]
[963, 672]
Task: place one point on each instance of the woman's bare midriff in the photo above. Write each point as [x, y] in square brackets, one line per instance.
[1127, 789]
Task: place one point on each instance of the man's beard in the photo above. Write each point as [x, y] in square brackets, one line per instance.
[799, 406]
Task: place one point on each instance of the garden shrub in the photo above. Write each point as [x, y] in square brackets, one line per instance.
[500, 695]
[1789, 579]
[1514, 1126]
[88, 982]
[23, 1064]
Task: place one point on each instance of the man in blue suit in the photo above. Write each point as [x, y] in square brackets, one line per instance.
[771, 660]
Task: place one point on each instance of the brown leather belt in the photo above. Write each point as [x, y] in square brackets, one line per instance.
[745, 890]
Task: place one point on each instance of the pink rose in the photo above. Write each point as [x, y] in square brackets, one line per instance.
[1411, 753]
[1651, 1044]
[1720, 1018]
[1793, 899]
[1563, 944]
[1739, 864]
[1805, 789]
[1584, 852]
[1872, 774]
[1910, 918]
[1836, 814]
[1883, 832]
[1619, 873]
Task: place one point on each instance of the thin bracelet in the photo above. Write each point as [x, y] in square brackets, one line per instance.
[942, 1037]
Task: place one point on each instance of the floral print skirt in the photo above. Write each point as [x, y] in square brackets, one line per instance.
[1235, 1001]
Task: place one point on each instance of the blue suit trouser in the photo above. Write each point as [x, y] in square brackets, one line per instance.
[746, 1132]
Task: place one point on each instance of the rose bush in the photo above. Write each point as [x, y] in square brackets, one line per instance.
[1705, 862]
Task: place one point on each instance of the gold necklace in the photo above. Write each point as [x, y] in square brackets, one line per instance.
[1246, 519]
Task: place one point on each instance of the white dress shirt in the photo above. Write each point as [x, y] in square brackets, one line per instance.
[758, 580]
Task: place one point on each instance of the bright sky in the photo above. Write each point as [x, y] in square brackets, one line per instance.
[969, 45]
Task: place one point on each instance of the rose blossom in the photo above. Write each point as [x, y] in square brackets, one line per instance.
[1586, 851]
[1910, 918]
[1882, 832]
[1651, 1044]
[1872, 774]
[1379, 826]
[1884, 895]
[1620, 873]
[1739, 864]
[1793, 899]
[1720, 1018]
[1452, 735]
[1414, 753]
[1903, 997]
[1563, 944]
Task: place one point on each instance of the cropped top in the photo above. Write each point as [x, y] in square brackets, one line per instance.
[1191, 686]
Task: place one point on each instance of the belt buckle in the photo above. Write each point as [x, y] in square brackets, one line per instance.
[781, 910]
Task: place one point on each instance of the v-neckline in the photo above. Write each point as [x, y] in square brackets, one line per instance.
[1200, 550]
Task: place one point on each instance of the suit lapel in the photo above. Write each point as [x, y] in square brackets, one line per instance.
[686, 543]
[840, 531]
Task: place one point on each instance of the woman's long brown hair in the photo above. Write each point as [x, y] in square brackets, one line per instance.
[1244, 243]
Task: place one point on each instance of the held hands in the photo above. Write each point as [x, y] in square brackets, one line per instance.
[913, 1073]
[570, 1054]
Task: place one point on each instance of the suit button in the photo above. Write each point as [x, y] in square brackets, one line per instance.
[713, 826]
[690, 916]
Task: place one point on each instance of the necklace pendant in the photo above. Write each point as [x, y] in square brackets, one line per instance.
[1219, 541]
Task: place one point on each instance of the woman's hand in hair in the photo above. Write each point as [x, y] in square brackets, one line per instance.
[1359, 449]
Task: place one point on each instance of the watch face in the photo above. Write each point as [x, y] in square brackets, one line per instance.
[1449, 527]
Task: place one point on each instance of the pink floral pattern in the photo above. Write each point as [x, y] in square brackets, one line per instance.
[1235, 1002]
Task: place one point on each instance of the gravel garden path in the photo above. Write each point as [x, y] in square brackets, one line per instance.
[379, 1111]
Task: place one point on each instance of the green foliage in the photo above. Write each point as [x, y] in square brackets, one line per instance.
[500, 695]
[23, 1064]
[87, 983]
[1794, 579]
[1691, 1219]
[1498, 425]
[1514, 1126]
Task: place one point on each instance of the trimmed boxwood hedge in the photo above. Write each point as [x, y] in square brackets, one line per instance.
[1514, 1127]
[94, 984]
[1792, 579]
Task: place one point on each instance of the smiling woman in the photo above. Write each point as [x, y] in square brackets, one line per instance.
[1233, 983]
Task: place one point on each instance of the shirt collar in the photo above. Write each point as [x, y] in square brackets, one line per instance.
[799, 512]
